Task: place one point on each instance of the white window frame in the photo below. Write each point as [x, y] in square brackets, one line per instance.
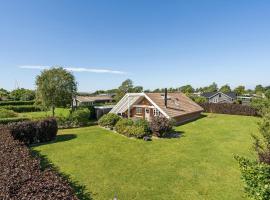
[156, 112]
[139, 110]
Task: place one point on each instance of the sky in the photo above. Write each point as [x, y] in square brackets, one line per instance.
[156, 43]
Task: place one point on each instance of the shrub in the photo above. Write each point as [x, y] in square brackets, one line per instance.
[123, 126]
[80, 117]
[21, 176]
[12, 120]
[227, 108]
[31, 132]
[16, 103]
[23, 108]
[161, 126]
[4, 113]
[109, 120]
[145, 124]
[136, 131]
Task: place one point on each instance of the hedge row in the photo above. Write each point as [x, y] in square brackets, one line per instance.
[232, 109]
[31, 132]
[21, 176]
[14, 119]
[23, 108]
[16, 103]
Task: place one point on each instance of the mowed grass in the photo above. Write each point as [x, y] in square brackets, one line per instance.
[44, 114]
[198, 165]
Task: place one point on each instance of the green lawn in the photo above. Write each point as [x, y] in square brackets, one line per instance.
[198, 165]
[44, 114]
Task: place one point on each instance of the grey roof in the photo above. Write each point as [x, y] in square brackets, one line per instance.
[210, 94]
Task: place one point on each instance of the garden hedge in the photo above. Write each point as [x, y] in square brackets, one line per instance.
[31, 132]
[16, 103]
[232, 109]
[21, 176]
[13, 119]
[23, 108]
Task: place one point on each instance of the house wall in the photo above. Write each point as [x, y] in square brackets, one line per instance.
[143, 102]
[186, 118]
[220, 98]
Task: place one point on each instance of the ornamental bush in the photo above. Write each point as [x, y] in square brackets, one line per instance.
[109, 120]
[145, 124]
[161, 126]
[32, 132]
[80, 117]
[123, 126]
[4, 113]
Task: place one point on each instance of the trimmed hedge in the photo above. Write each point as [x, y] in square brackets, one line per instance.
[4, 113]
[32, 132]
[16, 103]
[12, 120]
[232, 109]
[23, 108]
[21, 176]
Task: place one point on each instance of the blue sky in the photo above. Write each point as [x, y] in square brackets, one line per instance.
[155, 43]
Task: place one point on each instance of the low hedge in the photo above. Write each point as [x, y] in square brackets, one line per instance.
[21, 176]
[232, 109]
[4, 113]
[23, 108]
[31, 132]
[16, 103]
[12, 120]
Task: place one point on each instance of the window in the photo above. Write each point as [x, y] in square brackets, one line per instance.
[138, 110]
[156, 112]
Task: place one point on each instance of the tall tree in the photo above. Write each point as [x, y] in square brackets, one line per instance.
[55, 87]
[259, 89]
[240, 90]
[22, 94]
[3, 93]
[187, 89]
[225, 88]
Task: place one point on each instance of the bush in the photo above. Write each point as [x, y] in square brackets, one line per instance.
[127, 127]
[31, 132]
[16, 103]
[4, 113]
[80, 117]
[161, 126]
[109, 120]
[12, 120]
[227, 108]
[21, 176]
[23, 108]
[123, 126]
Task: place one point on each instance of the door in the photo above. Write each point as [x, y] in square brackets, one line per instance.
[147, 114]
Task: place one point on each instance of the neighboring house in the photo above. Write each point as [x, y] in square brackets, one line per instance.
[175, 106]
[102, 110]
[91, 100]
[220, 97]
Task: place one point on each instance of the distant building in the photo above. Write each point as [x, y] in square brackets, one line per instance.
[91, 100]
[220, 97]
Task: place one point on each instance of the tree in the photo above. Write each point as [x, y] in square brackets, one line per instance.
[22, 94]
[187, 89]
[267, 94]
[55, 87]
[225, 88]
[211, 88]
[259, 89]
[240, 90]
[3, 93]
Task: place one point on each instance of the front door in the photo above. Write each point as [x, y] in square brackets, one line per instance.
[147, 114]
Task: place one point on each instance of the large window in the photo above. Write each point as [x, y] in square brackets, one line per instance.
[138, 110]
[156, 112]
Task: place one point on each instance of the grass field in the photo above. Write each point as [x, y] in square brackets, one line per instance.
[44, 114]
[198, 165]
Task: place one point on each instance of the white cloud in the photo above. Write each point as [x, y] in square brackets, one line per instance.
[75, 69]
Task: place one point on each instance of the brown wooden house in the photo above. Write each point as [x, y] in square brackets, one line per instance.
[175, 106]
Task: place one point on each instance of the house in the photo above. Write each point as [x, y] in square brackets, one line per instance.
[102, 110]
[220, 97]
[174, 106]
[91, 100]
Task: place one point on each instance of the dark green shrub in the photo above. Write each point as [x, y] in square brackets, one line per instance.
[31, 132]
[109, 120]
[123, 126]
[11, 120]
[161, 126]
[16, 103]
[4, 113]
[23, 108]
[143, 123]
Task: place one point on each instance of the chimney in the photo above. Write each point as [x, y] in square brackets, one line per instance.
[166, 97]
